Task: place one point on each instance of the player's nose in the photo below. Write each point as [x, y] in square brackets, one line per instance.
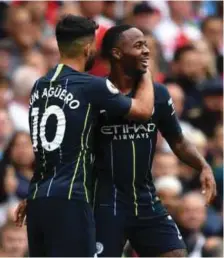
[145, 51]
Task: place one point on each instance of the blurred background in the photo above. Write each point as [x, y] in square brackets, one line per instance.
[186, 43]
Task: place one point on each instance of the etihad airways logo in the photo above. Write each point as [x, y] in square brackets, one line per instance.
[129, 132]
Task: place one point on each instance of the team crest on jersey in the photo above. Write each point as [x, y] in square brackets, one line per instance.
[99, 247]
[111, 87]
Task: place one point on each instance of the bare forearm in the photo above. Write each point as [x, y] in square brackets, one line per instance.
[143, 102]
[145, 92]
[188, 153]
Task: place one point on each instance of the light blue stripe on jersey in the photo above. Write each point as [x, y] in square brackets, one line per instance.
[79, 157]
[149, 170]
[134, 176]
[112, 174]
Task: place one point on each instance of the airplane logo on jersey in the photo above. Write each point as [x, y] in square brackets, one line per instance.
[129, 132]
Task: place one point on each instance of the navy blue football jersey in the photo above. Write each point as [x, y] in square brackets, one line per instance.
[124, 155]
[64, 107]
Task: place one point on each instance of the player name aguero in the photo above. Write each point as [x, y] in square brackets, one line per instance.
[126, 131]
[59, 93]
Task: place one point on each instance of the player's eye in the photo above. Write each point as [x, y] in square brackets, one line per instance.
[138, 46]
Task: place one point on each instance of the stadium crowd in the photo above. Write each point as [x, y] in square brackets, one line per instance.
[185, 40]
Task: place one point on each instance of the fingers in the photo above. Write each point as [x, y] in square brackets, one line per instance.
[24, 220]
[208, 185]
[210, 189]
[203, 186]
[15, 215]
[206, 190]
[19, 215]
[214, 190]
[19, 219]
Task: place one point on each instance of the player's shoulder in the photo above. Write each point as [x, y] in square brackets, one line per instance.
[37, 84]
[161, 92]
[69, 77]
[91, 82]
[97, 80]
[103, 84]
[87, 80]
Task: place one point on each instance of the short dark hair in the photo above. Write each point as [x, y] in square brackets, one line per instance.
[70, 28]
[205, 22]
[111, 38]
[180, 51]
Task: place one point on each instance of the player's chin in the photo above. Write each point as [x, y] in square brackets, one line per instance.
[142, 68]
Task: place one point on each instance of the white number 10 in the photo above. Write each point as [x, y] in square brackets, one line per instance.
[60, 130]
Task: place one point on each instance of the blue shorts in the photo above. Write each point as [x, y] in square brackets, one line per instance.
[60, 228]
[148, 237]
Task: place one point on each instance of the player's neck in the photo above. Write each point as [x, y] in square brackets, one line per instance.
[76, 64]
[123, 82]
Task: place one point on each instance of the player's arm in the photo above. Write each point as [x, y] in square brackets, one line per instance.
[107, 97]
[143, 103]
[183, 149]
[187, 153]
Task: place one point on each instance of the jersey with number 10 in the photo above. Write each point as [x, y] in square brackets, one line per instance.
[64, 108]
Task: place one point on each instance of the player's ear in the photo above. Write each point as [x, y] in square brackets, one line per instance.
[116, 53]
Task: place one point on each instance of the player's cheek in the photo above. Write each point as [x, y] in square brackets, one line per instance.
[138, 56]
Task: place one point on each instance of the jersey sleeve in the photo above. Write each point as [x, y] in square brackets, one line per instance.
[105, 96]
[169, 125]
